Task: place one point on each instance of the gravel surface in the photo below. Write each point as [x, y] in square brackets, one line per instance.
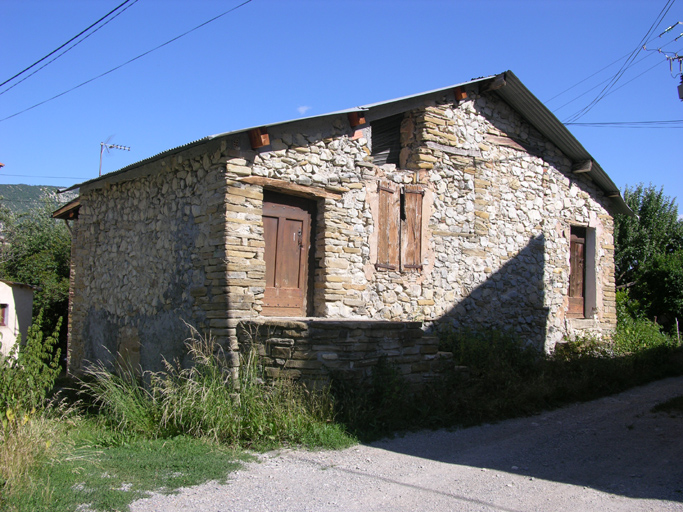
[611, 454]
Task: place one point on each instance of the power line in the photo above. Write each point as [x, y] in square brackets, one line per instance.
[674, 123]
[36, 176]
[125, 63]
[604, 81]
[604, 68]
[68, 49]
[629, 62]
[62, 46]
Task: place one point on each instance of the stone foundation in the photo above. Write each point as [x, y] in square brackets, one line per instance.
[313, 350]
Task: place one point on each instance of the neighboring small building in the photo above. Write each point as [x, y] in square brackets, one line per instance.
[339, 238]
[16, 312]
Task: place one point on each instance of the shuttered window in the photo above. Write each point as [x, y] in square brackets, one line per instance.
[386, 140]
[399, 226]
[411, 226]
[388, 225]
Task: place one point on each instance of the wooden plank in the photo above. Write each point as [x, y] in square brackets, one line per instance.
[453, 151]
[505, 141]
[287, 242]
[291, 188]
[388, 225]
[411, 228]
[577, 272]
[575, 309]
[270, 225]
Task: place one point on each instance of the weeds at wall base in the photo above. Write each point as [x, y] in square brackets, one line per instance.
[506, 379]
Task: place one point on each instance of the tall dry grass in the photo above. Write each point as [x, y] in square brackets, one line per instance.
[206, 401]
[30, 440]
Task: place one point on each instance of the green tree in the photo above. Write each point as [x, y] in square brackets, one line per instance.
[37, 251]
[655, 230]
[660, 289]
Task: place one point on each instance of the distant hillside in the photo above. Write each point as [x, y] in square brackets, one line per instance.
[22, 198]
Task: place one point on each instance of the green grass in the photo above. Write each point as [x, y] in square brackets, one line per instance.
[157, 432]
[185, 426]
[116, 470]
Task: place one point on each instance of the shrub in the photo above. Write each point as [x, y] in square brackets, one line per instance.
[28, 373]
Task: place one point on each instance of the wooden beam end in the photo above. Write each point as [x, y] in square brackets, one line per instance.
[258, 137]
[356, 119]
[581, 167]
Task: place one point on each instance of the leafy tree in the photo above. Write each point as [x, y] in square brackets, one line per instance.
[37, 251]
[655, 230]
[660, 289]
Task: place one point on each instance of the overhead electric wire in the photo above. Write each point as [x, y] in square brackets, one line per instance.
[603, 69]
[633, 124]
[125, 63]
[629, 62]
[69, 41]
[36, 176]
[69, 48]
[606, 80]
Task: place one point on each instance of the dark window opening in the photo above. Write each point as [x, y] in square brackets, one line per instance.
[386, 140]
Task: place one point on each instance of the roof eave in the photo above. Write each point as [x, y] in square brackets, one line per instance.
[515, 94]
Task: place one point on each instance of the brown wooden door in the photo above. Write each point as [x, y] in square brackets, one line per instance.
[286, 229]
[577, 272]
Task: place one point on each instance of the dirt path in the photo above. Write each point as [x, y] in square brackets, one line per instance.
[612, 454]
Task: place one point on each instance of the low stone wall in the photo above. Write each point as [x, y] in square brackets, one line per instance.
[314, 349]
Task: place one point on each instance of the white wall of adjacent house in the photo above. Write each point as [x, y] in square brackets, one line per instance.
[16, 310]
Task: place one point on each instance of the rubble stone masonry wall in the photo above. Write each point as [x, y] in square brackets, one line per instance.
[182, 239]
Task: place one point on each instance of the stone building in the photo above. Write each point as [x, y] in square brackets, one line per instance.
[335, 239]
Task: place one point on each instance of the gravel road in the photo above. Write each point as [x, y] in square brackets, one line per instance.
[611, 454]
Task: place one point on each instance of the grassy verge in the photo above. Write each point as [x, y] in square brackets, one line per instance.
[185, 426]
[111, 477]
[136, 433]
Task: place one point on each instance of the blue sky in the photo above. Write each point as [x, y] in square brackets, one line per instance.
[274, 60]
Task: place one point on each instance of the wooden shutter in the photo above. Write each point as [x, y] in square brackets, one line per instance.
[411, 227]
[388, 226]
[577, 272]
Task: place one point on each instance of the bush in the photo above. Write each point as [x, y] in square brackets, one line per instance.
[28, 373]
[661, 288]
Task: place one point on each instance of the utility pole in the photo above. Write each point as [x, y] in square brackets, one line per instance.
[104, 145]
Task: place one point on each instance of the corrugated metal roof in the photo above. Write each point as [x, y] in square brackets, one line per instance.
[513, 92]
